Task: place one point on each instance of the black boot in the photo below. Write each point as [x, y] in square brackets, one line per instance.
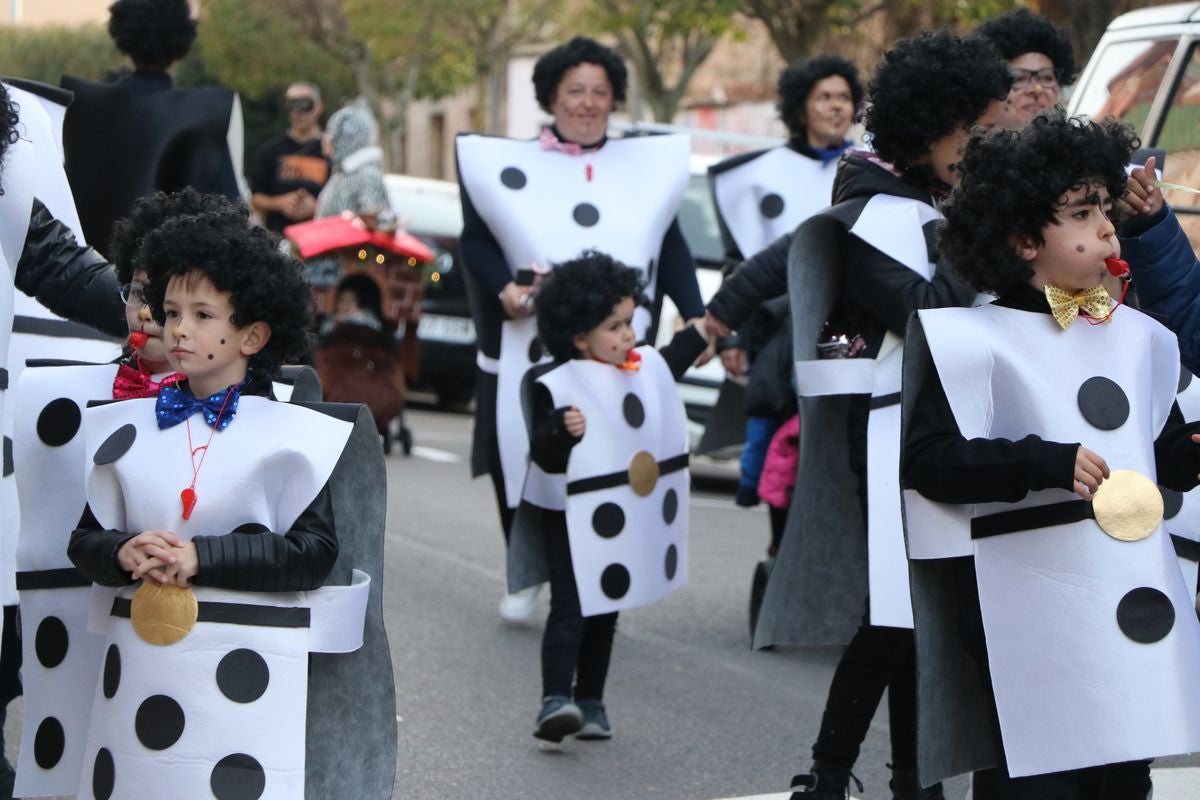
[905, 786]
[825, 782]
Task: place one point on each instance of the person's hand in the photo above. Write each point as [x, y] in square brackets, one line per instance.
[187, 564]
[148, 553]
[513, 298]
[1142, 197]
[1090, 472]
[300, 205]
[734, 361]
[575, 422]
[715, 327]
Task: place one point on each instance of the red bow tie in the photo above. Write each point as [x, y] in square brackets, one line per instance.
[131, 383]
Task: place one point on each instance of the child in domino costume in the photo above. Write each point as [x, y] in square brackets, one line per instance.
[1085, 641]
[217, 698]
[619, 494]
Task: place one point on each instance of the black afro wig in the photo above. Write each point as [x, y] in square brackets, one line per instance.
[797, 81]
[549, 70]
[149, 212]
[9, 120]
[1012, 183]
[264, 284]
[1019, 32]
[578, 295]
[153, 33]
[930, 86]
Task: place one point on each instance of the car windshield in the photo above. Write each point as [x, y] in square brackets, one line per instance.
[434, 212]
[698, 222]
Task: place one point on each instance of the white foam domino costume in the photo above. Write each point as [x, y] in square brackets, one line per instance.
[626, 487]
[1093, 643]
[1182, 511]
[894, 226]
[767, 196]
[223, 710]
[547, 207]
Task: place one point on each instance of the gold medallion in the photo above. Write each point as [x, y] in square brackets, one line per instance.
[643, 473]
[1128, 506]
[163, 615]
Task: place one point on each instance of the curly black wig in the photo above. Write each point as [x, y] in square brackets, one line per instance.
[930, 86]
[1019, 32]
[549, 70]
[264, 284]
[1012, 184]
[9, 120]
[153, 33]
[149, 212]
[797, 81]
[579, 295]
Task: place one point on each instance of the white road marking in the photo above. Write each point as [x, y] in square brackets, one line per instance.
[433, 454]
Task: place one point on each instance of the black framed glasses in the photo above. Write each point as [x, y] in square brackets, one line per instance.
[301, 105]
[132, 294]
[1045, 77]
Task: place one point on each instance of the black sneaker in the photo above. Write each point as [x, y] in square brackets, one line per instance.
[559, 717]
[595, 721]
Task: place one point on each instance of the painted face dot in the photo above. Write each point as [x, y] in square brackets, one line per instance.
[1103, 403]
[222, 342]
[210, 356]
[1080, 248]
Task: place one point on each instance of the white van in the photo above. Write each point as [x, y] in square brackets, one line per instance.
[1146, 71]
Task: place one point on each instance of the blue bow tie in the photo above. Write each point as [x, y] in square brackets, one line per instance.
[175, 405]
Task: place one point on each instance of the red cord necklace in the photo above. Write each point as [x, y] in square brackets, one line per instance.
[188, 495]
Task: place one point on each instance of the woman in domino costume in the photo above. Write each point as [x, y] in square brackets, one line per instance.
[530, 203]
[1057, 636]
[201, 681]
[859, 270]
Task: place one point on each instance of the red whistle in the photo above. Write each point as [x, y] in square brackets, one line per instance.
[138, 339]
[1117, 266]
[188, 496]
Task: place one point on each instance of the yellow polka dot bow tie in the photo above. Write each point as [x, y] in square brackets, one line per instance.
[1095, 302]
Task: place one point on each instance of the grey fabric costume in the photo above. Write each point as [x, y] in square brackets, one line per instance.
[357, 181]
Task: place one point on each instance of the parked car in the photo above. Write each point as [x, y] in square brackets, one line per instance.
[430, 210]
[1146, 71]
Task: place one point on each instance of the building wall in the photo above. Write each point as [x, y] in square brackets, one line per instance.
[56, 12]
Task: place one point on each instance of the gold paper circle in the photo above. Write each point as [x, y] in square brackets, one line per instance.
[1128, 506]
[163, 615]
[643, 473]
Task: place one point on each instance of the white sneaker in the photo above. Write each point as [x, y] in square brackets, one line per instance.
[519, 608]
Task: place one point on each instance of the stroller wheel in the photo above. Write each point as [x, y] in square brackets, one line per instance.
[387, 441]
[406, 440]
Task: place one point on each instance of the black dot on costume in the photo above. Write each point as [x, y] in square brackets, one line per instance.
[112, 671]
[104, 776]
[3, 380]
[242, 676]
[50, 642]
[48, 743]
[586, 214]
[614, 581]
[608, 520]
[670, 506]
[59, 422]
[252, 527]
[771, 206]
[1172, 502]
[158, 722]
[1185, 379]
[8, 457]
[1103, 403]
[238, 777]
[635, 413]
[1145, 615]
[513, 178]
[116, 445]
[535, 351]
[671, 562]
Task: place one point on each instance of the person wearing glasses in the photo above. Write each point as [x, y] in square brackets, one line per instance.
[290, 170]
[141, 134]
[1040, 59]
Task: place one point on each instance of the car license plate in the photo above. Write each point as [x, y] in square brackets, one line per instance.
[441, 328]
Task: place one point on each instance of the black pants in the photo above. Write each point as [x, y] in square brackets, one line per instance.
[877, 658]
[1127, 781]
[574, 647]
[485, 447]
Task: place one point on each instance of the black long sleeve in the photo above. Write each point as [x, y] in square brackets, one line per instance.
[68, 278]
[481, 253]
[296, 561]
[677, 274]
[756, 280]
[683, 350]
[550, 442]
[1176, 456]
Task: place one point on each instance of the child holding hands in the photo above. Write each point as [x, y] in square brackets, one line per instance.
[1039, 428]
[607, 491]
